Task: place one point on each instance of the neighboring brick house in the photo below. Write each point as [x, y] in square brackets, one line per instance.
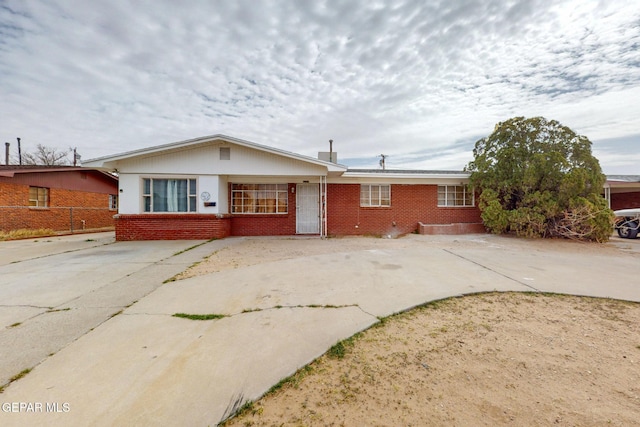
[219, 186]
[62, 198]
[623, 191]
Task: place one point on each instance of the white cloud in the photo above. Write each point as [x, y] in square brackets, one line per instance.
[410, 79]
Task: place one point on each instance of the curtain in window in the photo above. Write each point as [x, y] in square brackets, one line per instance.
[259, 198]
[170, 195]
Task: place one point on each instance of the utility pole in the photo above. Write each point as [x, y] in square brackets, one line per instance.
[382, 159]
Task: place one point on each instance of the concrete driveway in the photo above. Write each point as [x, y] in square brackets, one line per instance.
[146, 367]
[54, 290]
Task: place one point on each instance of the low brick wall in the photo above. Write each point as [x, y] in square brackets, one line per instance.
[172, 227]
[263, 225]
[459, 228]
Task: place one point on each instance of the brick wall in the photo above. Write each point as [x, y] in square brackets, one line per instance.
[172, 227]
[410, 205]
[68, 210]
[625, 200]
[266, 224]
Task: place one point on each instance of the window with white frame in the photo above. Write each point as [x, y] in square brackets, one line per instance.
[38, 197]
[375, 195]
[113, 202]
[455, 196]
[259, 198]
[169, 195]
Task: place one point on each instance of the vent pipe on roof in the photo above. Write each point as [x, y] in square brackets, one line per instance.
[328, 156]
[331, 150]
[6, 153]
[19, 152]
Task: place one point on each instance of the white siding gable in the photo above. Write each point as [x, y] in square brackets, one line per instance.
[205, 160]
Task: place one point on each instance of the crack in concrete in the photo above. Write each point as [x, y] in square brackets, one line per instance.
[59, 253]
[278, 307]
[25, 305]
[275, 307]
[492, 270]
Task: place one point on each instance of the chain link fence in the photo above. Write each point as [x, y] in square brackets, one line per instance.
[59, 218]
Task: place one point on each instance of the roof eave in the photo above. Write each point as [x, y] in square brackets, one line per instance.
[401, 175]
[101, 170]
[106, 161]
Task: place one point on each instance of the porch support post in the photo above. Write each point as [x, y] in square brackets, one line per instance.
[323, 206]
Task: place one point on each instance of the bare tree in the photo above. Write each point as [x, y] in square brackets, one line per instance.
[48, 156]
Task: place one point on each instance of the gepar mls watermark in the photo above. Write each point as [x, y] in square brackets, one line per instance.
[26, 407]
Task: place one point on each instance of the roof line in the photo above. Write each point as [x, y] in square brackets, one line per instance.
[210, 138]
[9, 172]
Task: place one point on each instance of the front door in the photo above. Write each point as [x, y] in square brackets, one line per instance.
[307, 209]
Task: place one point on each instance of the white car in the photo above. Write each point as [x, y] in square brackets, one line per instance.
[628, 222]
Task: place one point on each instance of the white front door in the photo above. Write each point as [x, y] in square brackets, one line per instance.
[307, 209]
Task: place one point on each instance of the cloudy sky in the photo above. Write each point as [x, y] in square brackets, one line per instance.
[418, 81]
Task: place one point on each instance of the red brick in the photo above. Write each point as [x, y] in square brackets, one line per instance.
[625, 200]
[410, 205]
[68, 210]
[172, 227]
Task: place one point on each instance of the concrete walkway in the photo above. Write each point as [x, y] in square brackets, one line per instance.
[145, 367]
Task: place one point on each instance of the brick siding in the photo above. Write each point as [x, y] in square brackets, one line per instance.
[263, 225]
[410, 205]
[68, 210]
[266, 224]
[625, 200]
[172, 227]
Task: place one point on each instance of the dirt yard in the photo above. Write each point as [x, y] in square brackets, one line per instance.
[488, 359]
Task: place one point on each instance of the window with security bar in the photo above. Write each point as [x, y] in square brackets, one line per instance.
[259, 198]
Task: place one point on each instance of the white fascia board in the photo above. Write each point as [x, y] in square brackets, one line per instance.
[406, 176]
[104, 161]
[331, 167]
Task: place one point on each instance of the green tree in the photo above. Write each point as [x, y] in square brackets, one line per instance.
[538, 178]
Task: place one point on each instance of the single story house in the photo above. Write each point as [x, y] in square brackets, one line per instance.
[61, 198]
[218, 186]
[622, 191]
